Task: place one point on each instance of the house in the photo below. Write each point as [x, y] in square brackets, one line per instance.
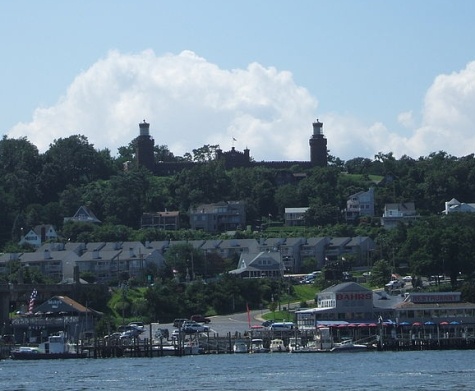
[265, 264]
[398, 213]
[167, 220]
[295, 216]
[38, 235]
[360, 204]
[219, 217]
[85, 215]
[453, 206]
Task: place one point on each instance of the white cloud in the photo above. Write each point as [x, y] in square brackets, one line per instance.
[406, 119]
[448, 124]
[188, 101]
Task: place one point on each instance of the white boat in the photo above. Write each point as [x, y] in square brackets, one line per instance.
[348, 346]
[187, 347]
[295, 343]
[257, 346]
[57, 347]
[310, 347]
[277, 345]
[240, 347]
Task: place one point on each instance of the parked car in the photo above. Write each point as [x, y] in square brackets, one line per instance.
[193, 327]
[138, 325]
[395, 284]
[267, 323]
[130, 334]
[200, 319]
[179, 322]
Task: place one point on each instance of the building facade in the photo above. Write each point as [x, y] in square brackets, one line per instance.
[219, 217]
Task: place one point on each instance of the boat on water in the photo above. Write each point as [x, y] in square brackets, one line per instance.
[189, 346]
[188, 349]
[295, 343]
[257, 346]
[56, 347]
[277, 345]
[240, 347]
[348, 346]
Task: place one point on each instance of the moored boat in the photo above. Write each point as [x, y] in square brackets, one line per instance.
[240, 347]
[348, 346]
[57, 347]
[277, 345]
[257, 346]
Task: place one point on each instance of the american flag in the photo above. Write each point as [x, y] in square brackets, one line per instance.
[31, 303]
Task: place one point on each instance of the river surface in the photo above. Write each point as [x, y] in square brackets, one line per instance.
[417, 370]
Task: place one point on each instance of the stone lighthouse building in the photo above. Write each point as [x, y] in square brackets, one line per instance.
[318, 146]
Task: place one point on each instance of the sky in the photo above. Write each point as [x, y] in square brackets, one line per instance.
[383, 76]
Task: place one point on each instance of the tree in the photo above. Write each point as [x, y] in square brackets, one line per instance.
[71, 161]
[125, 196]
[380, 273]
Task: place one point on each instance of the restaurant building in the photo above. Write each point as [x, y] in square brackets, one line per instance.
[353, 303]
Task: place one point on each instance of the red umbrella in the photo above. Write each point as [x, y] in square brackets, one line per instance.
[417, 324]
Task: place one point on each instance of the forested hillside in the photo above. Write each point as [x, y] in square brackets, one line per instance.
[44, 188]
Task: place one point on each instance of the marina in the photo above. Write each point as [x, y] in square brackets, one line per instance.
[337, 338]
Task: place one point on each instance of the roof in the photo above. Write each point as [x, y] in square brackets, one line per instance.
[58, 304]
[84, 214]
[346, 287]
[296, 210]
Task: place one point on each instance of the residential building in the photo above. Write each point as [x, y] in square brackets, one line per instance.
[167, 220]
[231, 247]
[219, 217]
[295, 216]
[264, 264]
[360, 204]
[290, 254]
[85, 215]
[55, 264]
[398, 213]
[38, 235]
[111, 261]
[360, 248]
[453, 206]
[313, 249]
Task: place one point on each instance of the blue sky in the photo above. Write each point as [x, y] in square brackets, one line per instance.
[383, 76]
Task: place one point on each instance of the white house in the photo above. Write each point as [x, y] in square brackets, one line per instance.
[38, 235]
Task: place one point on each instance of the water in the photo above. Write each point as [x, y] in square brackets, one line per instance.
[426, 370]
